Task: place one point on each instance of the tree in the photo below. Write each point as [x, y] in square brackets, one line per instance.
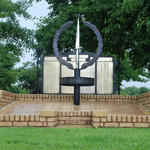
[143, 90]
[26, 77]
[13, 39]
[132, 90]
[124, 26]
[7, 62]
[17, 89]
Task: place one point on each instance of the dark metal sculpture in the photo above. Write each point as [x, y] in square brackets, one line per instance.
[55, 45]
[77, 81]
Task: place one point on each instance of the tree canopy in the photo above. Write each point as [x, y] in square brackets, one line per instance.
[13, 39]
[124, 25]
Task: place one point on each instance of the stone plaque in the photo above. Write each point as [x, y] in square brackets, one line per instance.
[51, 75]
[105, 75]
[102, 71]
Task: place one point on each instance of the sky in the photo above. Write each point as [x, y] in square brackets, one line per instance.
[40, 9]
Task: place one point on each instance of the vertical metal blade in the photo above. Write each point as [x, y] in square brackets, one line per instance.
[77, 45]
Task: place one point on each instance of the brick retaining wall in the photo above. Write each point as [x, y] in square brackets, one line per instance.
[83, 97]
[100, 119]
[94, 118]
[144, 99]
[6, 98]
[27, 120]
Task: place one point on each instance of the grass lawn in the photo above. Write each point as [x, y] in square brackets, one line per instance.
[74, 139]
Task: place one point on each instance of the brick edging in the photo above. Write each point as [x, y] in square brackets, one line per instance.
[94, 118]
[6, 98]
[102, 120]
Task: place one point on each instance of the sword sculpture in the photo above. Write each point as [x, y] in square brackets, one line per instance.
[77, 81]
[77, 70]
[77, 45]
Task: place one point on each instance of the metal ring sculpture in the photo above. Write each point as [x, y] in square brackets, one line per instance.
[96, 55]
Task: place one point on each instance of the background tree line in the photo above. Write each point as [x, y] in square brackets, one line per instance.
[132, 90]
[124, 25]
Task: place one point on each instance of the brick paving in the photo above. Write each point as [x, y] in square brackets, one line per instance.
[113, 108]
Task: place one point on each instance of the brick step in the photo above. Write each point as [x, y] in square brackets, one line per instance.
[73, 126]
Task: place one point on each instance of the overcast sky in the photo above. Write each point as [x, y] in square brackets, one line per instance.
[40, 10]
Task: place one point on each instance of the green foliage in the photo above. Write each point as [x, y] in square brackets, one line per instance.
[124, 25]
[128, 71]
[73, 139]
[13, 39]
[26, 78]
[17, 89]
[134, 90]
[7, 61]
[143, 90]
[11, 33]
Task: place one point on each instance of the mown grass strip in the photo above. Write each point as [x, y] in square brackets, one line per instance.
[74, 139]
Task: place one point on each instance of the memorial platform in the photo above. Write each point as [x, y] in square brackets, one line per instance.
[54, 110]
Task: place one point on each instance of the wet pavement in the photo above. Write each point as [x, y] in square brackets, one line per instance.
[114, 108]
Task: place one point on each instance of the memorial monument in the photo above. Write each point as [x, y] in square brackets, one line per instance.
[90, 71]
[77, 81]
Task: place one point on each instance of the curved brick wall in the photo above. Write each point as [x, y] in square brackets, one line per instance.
[6, 98]
[144, 99]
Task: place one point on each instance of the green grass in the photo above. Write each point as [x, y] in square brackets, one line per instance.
[74, 139]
